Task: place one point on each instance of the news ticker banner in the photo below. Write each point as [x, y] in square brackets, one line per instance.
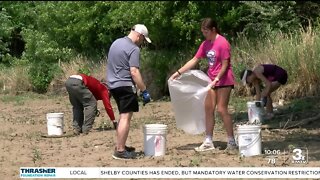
[169, 172]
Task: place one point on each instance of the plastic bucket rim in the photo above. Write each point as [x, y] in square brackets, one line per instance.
[248, 126]
[155, 125]
[56, 113]
[52, 115]
[155, 133]
[253, 102]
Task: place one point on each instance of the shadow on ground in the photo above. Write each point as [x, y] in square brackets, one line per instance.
[218, 145]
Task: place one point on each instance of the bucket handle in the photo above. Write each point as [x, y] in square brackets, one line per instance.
[250, 144]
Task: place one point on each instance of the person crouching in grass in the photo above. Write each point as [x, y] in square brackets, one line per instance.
[272, 76]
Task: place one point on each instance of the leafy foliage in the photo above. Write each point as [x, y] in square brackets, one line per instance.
[41, 75]
[266, 16]
[5, 31]
[56, 32]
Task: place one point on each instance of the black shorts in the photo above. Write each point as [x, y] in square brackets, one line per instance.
[126, 99]
[219, 87]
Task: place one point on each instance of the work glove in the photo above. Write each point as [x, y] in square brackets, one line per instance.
[145, 97]
[115, 125]
[264, 101]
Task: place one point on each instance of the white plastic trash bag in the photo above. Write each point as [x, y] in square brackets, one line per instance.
[188, 93]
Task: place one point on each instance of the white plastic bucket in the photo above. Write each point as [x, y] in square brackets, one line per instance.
[55, 124]
[249, 140]
[255, 112]
[155, 139]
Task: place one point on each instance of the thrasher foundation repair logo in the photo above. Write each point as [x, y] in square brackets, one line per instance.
[37, 172]
[169, 172]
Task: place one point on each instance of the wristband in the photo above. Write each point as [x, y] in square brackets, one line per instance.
[217, 79]
[178, 72]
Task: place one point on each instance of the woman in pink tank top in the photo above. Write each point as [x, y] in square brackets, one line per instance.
[272, 76]
[216, 49]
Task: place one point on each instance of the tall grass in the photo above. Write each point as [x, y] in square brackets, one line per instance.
[14, 80]
[76, 65]
[298, 53]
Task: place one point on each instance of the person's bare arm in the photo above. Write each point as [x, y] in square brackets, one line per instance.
[257, 89]
[259, 73]
[137, 78]
[190, 64]
[224, 67]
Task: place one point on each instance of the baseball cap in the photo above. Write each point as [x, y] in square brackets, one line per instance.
[142, 29]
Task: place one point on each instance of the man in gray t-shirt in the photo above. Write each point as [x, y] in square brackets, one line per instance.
[123, 54]
[123, 75]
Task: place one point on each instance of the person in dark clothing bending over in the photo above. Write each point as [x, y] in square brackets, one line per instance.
[272, 76]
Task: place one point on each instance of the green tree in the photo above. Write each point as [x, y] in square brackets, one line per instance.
[268, 16]
[5, 32]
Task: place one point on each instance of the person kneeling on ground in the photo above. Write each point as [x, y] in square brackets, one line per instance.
[84, 91]
[273, 77]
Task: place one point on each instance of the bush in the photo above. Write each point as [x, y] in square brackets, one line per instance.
[5, 31]
[158, 66]
[45, 56]
[41, 74]
[85, 70]
[40, 47]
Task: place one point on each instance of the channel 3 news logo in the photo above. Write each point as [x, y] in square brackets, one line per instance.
[299, 156]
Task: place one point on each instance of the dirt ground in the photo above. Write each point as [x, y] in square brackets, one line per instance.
[23, 121]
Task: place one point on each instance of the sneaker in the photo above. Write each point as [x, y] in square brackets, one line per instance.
[231, 149]
[73, 133]
[130, 148]
[127, 148]
[205, 146]
[123, 155]
[86, 132]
